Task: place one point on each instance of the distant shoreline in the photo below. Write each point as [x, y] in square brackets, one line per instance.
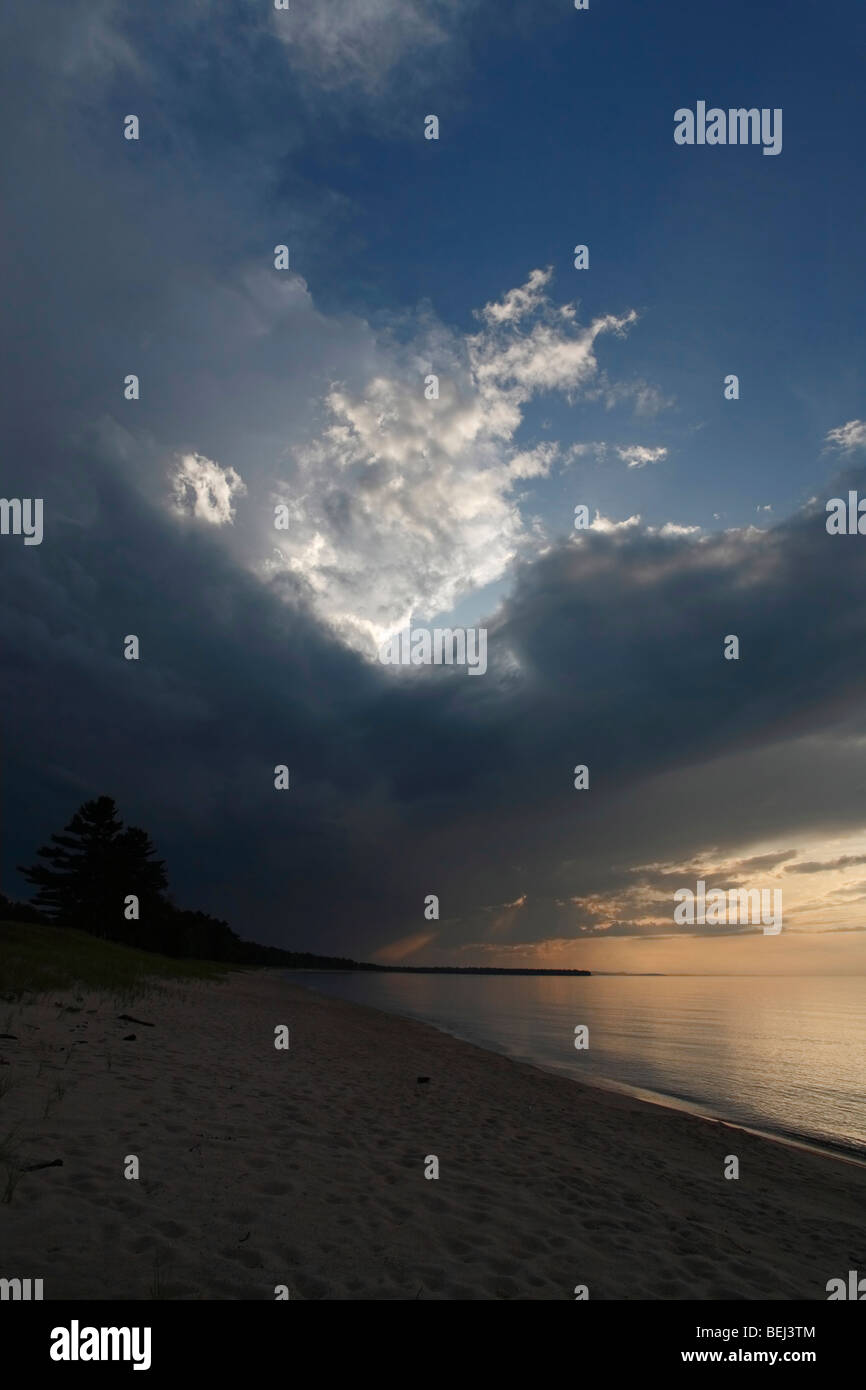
[424, 970]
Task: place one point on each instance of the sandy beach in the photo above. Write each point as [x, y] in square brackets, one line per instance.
[306, 1168]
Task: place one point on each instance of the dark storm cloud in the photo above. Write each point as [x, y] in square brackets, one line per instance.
[813, 866]
[608, 652]
[764, 861]
[436, 783]
[620, 644]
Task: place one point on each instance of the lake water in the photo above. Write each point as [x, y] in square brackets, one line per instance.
[783, 1055]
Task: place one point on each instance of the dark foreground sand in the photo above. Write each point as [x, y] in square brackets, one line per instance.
[306, 1168]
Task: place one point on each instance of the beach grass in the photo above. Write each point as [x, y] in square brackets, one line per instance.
[37, 959]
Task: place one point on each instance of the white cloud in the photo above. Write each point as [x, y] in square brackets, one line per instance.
[638, 455]
[534, 463]
[604, 523]
[518, 302]
[674, 528]
[670, 528]
[548, 358]
[402, 505]
[201, 488]
[848, 437]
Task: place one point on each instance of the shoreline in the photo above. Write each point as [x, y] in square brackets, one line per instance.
[642, 1095]
[305, 1168]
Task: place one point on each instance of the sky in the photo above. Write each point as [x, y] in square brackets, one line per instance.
[305, 389]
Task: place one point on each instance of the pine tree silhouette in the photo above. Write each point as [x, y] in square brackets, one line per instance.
[134, 869]
[92, 867]
[97, 863]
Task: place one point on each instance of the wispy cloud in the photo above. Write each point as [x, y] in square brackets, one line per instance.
[812, 866]
[362, 41]
[639, 455]
[848, 437]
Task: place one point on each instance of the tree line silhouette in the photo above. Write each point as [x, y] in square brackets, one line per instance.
[92, 871]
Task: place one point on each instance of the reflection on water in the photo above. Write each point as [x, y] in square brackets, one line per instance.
[784, 1055]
